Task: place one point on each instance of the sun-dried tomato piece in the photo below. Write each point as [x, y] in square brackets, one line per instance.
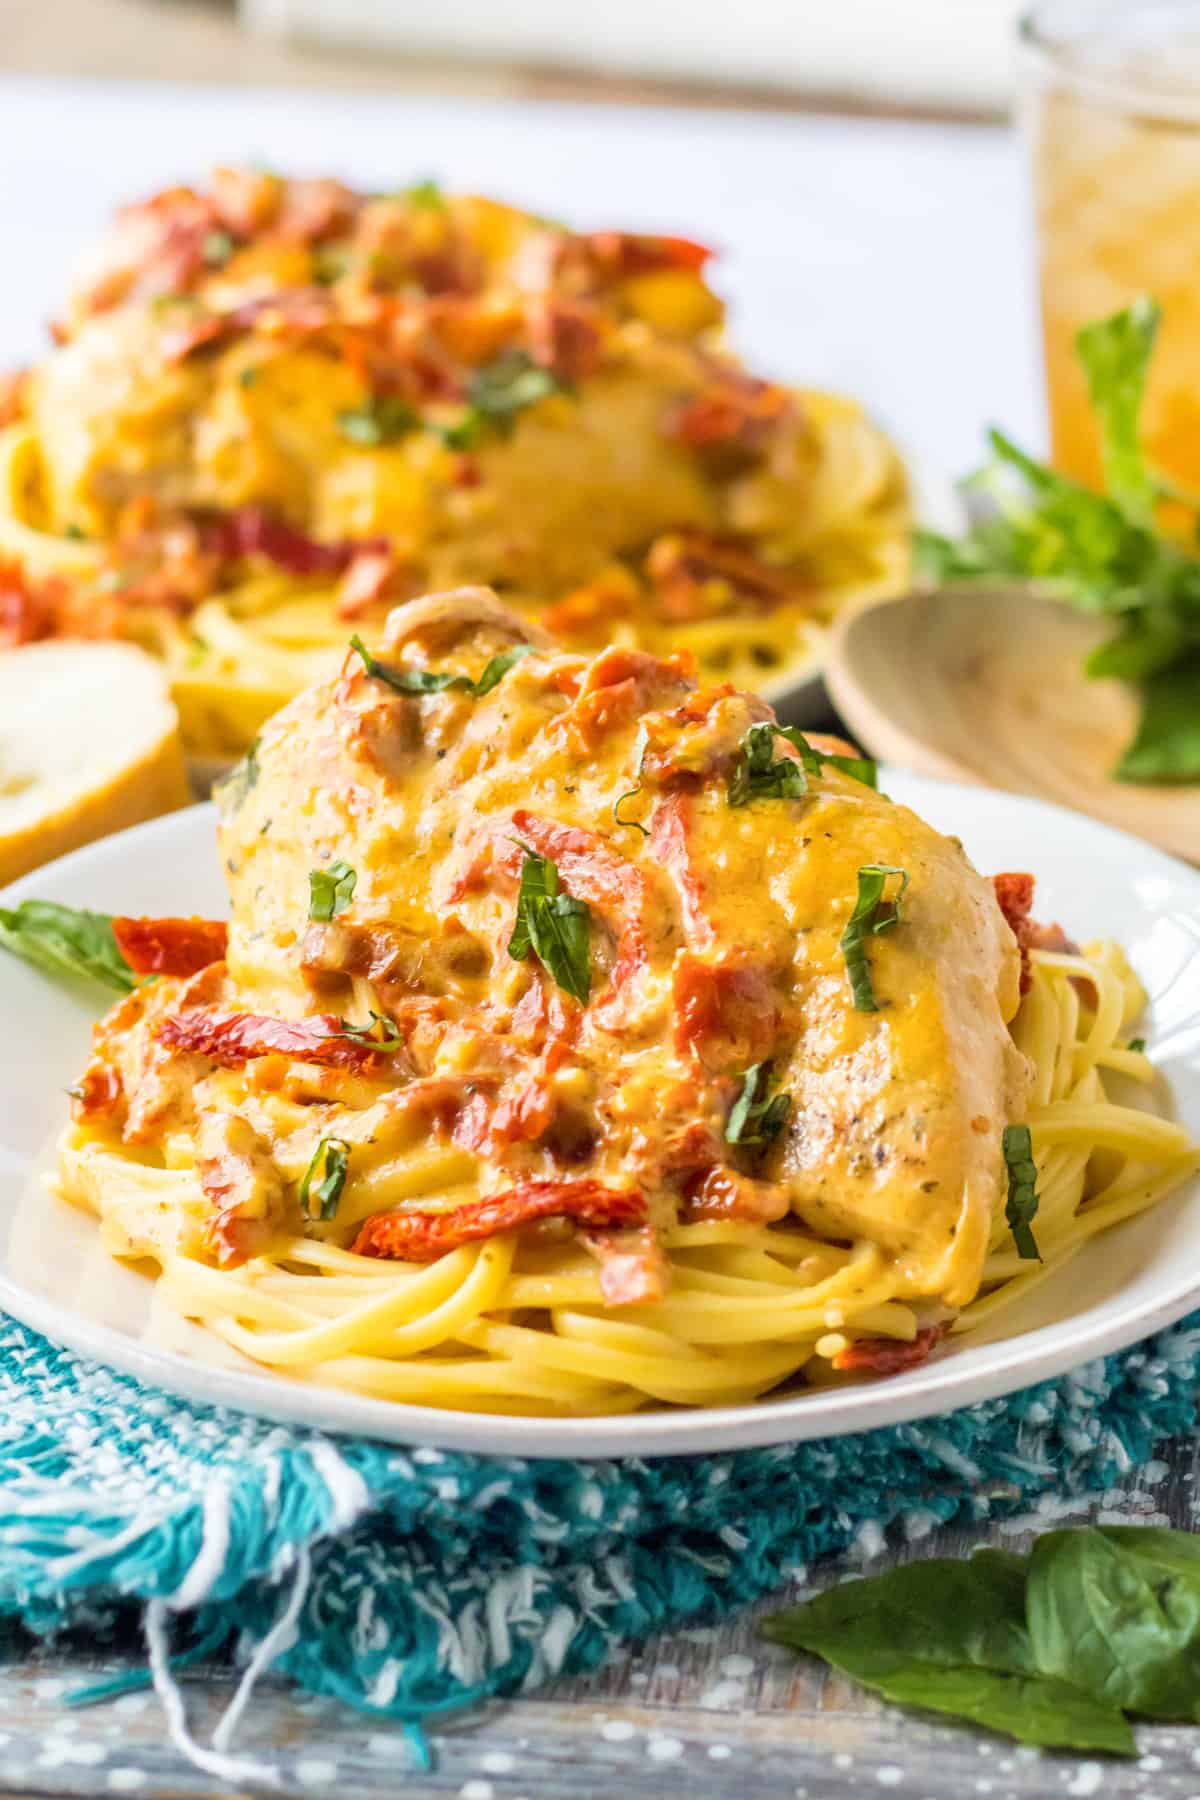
[423, 1236]
[592, 872]
[624, 253]
[232, 1038]
[890, 1356]
[1014, 894]
[170, 946]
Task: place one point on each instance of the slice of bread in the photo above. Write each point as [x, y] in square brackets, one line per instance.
[89, 743]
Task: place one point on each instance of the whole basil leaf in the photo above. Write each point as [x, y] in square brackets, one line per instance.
[1034, 1709]
[66, 940]
[1117, 1609]
[951, 1637]
[1115, 354]
[1167, 745]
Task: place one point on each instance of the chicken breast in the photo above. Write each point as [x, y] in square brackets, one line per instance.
[713, 977]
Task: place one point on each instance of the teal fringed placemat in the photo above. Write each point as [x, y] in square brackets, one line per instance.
[408, 1582]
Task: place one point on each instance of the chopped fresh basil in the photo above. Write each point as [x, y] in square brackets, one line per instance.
[1021, 1209]
[383, 420]
[330, 890]
[859, 768]
[328, 1169]
[639, 751]
[427, 193]
[555, 927]
[330, 262]
[230, 793]
[65, 940]
[496, 393]
[249, 375]
[872, 914]
[758, 774]
[436, 681]
[753, 1118]
[380, 1034]
[465, 432]
[1138, 1045]
[217, 248]
[503, 388]
[496, 668]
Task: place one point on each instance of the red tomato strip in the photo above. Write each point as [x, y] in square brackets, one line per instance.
[670, 829]
[624, 253]
[424, 1236]
[232, 1039]
[253, 531]
[890, 1356]
[170, 946]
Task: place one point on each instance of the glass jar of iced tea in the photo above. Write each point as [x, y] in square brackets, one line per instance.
[1111, 101]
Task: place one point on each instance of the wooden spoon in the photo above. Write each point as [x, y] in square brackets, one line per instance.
[986, 685]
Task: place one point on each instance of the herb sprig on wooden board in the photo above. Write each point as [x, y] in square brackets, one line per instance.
[1055, 1648]
[1103, 553]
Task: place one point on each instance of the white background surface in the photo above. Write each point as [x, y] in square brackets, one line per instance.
[888, 260]
[952, 51]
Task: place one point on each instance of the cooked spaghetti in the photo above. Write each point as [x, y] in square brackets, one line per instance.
[582, 1041]
[279, 405]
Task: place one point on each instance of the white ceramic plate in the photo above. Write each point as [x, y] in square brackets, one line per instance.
[1140, 1276]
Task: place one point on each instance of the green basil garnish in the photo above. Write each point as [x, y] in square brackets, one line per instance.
[330, 890]
[436, 681]
[66, 940]
[328, 1170]
[758, 774]
[753, 1118]
[553, 925]
[503, 388]
[639, 750]
[496, 394]
[872, 914]
[230, 793]
[382, 420]
[427, 193]
[217, 248]
[1021, 1209]
[389, 1039]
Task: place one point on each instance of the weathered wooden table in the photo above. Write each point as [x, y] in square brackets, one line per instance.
[705, 1712]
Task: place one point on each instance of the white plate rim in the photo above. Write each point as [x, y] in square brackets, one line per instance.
[940, 1386]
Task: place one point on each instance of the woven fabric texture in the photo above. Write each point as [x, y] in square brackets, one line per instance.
[434, 1578]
